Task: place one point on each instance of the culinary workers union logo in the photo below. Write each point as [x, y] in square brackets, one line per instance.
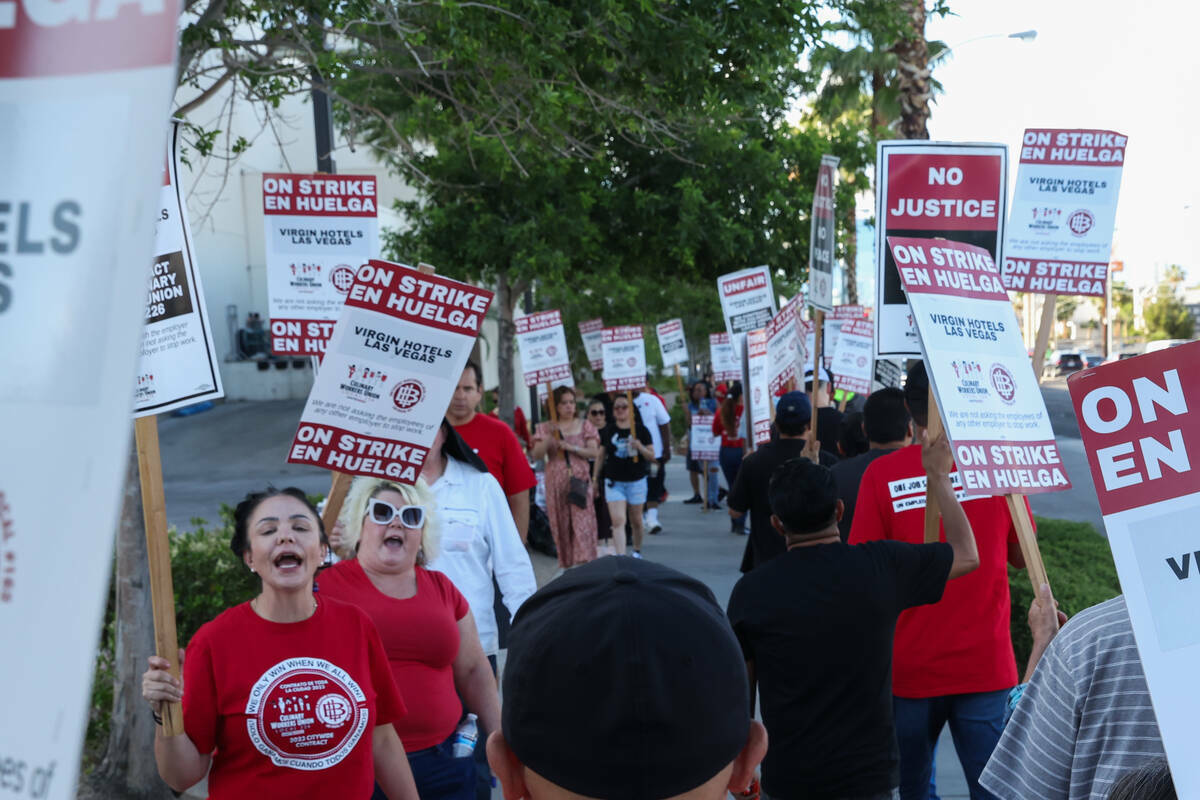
[1004, 383]
[306, 713]
[342, 278]
[408, 394]
[631, 362]
[1080, 222]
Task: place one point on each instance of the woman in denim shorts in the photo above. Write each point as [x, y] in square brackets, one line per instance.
[624, 478]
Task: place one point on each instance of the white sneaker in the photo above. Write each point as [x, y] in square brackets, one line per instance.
[635, 554]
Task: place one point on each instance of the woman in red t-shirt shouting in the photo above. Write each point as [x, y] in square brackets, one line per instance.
[286, 695]
[426, 625]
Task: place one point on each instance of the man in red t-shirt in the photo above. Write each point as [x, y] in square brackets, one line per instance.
[495, 443]
[954, 659]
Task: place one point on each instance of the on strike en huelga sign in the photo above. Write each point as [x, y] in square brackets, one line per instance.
[543, 345]
[747, 301]
[833, 327]
[396, 354]
[785, 347]
[1060, 230]
[705, 446]
[822, 239]
[178, 364]
[1141, 432]
[726, 364]
[85, 90]
[935, 190]
[853, 364]
[319, 230]
[758, 388]
[591, 333]
[624, 352]
[992, 408]
[671, 342]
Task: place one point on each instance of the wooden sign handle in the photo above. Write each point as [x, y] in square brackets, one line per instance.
[1027, 538]
[933, 512]
[338, 490]
[158, 550]
[632, 425]
[1043, 336]
[816, 382]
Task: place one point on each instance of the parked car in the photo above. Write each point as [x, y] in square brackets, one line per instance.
[1063, 362]
[1164, 344]
[1093, 360]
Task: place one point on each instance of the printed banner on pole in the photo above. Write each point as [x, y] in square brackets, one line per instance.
[85, 93]
[853, 364]
[590, 331]
[671, 343]
[624, 358]
[991, 405]
[1060, 230]
[178, 364]
[786, 354]
[726, 365]
[542, 342]
[319, 230]
[833, 327]
[747, 301]
[704, 445]
[934, 190]
[1143, 446]
[758, 389]
[822, 241]
[395, 357]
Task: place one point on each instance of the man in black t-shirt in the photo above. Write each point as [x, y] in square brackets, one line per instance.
[749, 490]
[816, 627]
[888, 427]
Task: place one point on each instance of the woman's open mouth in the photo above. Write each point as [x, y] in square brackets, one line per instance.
[288, 562]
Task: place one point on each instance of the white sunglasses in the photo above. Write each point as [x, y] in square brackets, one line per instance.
[384, 512]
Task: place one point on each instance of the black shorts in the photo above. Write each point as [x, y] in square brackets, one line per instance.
[656, 488]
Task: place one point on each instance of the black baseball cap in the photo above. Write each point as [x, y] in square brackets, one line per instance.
[625, 680]
[793, 409]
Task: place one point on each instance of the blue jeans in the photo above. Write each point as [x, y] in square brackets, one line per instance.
[439, 775]
[976, 721]
[731, 461]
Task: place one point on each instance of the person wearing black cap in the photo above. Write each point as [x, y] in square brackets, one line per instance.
[829, 419]
[749, 491]
[816, 628]
[624, 681]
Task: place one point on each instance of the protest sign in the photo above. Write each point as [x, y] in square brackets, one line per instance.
[852, 361]
[747, 301]
[833, 326]
[319, 230]
[543, 346]
[395, 357]
[1059, 234]
[757, 388]
[822, 242]
[935, 190]
[991, 406]
[671, 343]
[1143, 447]
[624, 358]
[178, 365]
[726, 364]
[888, 372]
[704, 444]
[785, 349]
[590, 331]
[85, 93]
[544, 389]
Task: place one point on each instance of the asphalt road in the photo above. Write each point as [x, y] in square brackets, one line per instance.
[1079, 502]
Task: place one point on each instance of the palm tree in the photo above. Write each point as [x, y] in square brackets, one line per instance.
[913, 74]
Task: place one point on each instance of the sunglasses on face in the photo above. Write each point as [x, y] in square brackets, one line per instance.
[596, 412]
[383, 512]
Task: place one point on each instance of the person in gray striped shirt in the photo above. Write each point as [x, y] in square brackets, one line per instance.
[1085, 718]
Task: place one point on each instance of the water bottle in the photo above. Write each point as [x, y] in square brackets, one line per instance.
[463, 744]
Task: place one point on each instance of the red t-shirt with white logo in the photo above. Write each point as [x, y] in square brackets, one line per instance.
[420, 635]
[497, 445]
[963, 643]
[290, 708]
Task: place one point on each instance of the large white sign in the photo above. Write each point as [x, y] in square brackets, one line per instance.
[393, 361]
[178, 364]
[704, 444]
[543, 346]
[936, 190]
[671, 342]
[1059, 235]
[758, 389]
[85, 91]
[822, 243]
[786, 355]
[853, 365]
[833, 327]
[747, 301]
[624, 352]
[726, 363]
[1141, 431]
[319, 230]
[991, 405]
[592, 332]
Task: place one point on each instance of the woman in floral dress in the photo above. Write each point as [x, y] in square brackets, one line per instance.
[567, 447]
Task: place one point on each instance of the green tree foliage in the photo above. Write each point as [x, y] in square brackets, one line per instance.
[1167, 317]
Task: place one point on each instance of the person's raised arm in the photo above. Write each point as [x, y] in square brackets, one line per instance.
[938, 461]
[180, 763]
[392, 772]
[473, 678]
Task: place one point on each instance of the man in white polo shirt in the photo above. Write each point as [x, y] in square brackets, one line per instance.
[658, 422]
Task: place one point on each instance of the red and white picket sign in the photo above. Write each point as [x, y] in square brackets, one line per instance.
[671, 342]
[786, 353]
[726, 362]
[592, 333]
[853, 364]
[758, 387]
[542, 342]
[624, 352]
